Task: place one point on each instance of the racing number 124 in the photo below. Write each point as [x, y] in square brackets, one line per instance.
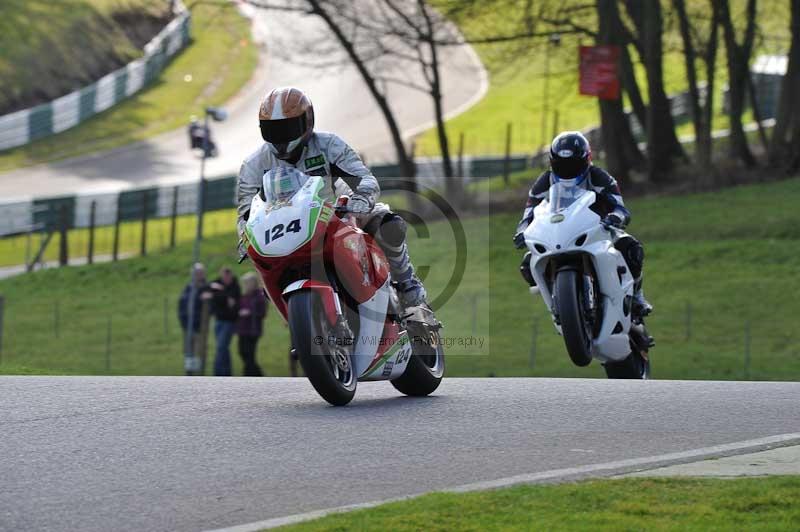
[277, 231]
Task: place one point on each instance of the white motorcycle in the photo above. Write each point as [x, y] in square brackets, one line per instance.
[585, 283]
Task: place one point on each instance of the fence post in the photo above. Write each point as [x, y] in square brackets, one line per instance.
[202, 208]
[747, 340]
[63, 222]
[461, 155]
[28, 247]
[56, 317]
[143, 247]
[115, 248]
[108, 345]
[688, 320]
[507, 160]
[90, 251]
[173, 217]
[2, 309]
[474, 313]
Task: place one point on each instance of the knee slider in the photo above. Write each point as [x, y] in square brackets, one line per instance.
[393, 230]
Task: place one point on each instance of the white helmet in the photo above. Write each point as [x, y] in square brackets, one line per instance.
[286, 117]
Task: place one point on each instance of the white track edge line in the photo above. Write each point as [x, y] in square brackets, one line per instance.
[531, 478]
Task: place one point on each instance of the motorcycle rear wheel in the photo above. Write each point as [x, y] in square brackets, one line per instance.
[425, 367]
[328, 367]
[574, 327]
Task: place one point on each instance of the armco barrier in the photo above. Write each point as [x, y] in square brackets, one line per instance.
[21, 127]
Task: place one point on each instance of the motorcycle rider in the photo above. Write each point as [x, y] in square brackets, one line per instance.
[571, 159]
[286, 119]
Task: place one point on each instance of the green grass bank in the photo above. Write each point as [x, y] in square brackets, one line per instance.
[721, 270]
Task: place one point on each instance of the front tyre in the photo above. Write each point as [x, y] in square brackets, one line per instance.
[575, 327]
[634, 367]
[329, 368]
[425, 367]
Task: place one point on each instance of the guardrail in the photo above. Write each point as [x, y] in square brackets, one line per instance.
[21, 127]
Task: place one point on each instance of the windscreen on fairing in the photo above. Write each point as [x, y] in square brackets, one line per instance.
[280, 184]
[564, 193]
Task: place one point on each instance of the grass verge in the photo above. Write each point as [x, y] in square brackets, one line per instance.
[629, 504]
[721, 270]
[208, 72]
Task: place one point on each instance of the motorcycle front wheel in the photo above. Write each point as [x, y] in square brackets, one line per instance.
[328, 367]
[634, 367]
[575, 328]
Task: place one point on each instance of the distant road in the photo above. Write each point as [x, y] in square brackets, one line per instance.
[176, 453]
[341, 100]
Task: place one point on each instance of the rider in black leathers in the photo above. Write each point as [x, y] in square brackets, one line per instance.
[571, 158]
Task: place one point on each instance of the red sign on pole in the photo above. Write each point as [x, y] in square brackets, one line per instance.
[599, 67]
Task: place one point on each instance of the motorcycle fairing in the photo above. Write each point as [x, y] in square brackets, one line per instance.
[576, 230]
[280, 229]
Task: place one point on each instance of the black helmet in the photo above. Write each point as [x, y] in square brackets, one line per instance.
[570, 155]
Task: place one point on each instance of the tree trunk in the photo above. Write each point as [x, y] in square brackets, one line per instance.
[621, 152]
[631, 87]
[406, 164]
[701, 114]
[662, 142]
[452, 188]
[738, 73]
[785, 144]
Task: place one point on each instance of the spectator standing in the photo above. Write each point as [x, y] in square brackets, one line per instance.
[249, 327]
[202, 293]
[225, 306]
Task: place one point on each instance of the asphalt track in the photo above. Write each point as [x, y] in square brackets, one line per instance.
[172, 453]
[341, 101]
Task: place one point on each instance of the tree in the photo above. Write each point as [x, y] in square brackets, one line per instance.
[738, 56]
[694, 48]
[784, 150]
[663, 146]
[330, 12]
[622, 153]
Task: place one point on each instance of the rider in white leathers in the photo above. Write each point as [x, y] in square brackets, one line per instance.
[286, 118]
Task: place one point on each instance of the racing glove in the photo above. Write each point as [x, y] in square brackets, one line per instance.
[360, 203]
[613, 220]
[519, 240]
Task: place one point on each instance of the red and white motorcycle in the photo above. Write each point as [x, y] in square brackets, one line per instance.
[330, 281]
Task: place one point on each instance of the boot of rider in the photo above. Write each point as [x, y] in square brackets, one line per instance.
[409, 287]
[641, 307]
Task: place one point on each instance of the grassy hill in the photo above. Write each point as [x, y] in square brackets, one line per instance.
[721, 269]
[52, 48]
[220, 59]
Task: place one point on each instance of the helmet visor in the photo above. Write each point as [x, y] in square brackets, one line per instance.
[568, 167]
[283, 131]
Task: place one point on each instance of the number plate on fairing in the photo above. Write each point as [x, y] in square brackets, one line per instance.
[281, 229]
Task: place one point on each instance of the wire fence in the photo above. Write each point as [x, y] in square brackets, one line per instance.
[97, 338]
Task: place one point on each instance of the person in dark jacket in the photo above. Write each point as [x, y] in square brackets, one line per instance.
[202, 293]
[225, 307]
[571, 159]
[249, 327]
